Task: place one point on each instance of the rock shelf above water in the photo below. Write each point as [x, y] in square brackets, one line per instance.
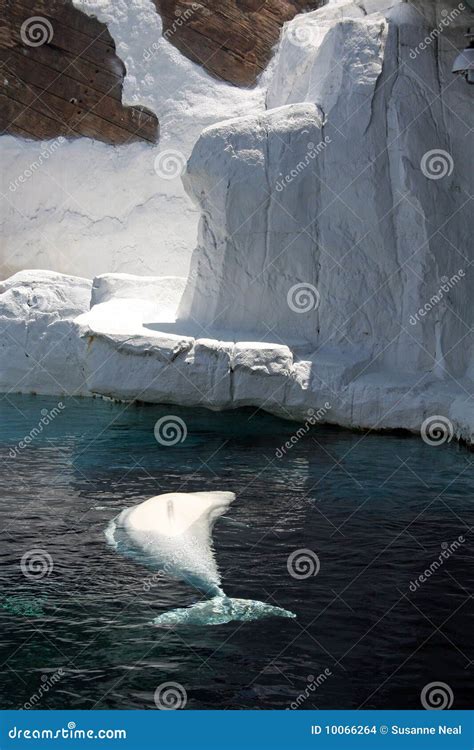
[53, 343]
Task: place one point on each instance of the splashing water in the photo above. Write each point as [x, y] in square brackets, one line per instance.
[220, 610]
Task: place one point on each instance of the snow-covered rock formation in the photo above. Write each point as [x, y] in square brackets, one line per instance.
[335, 198]
[40, 351]
[333, 265]
[343, 227]
[85, 208]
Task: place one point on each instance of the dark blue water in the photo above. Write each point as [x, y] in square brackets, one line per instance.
[376, 509]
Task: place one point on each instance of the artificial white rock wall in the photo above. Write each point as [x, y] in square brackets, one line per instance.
[85, 208]
[40, 351]
[333, 269]
[121, 348]
[334, 222]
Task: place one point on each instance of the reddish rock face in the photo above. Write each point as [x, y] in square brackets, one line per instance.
[60, 76]
[232, 39]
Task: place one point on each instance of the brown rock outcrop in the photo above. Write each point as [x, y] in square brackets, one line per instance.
[60, 76]
[232, 39]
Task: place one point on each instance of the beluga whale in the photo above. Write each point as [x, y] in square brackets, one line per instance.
[172, 535]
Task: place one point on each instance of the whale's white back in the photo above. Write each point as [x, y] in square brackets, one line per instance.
[174, 513]
[173, 533]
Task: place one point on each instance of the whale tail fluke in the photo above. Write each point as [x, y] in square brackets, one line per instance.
[218, 611]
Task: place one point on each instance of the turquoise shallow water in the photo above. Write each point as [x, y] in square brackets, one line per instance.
[376, 510]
